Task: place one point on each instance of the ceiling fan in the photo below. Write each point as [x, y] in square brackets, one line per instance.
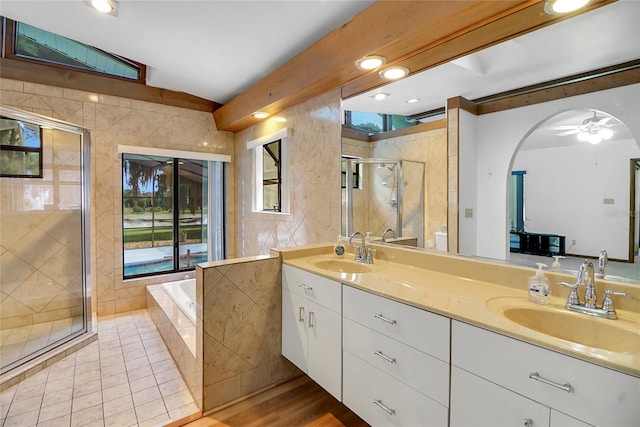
[593, 129]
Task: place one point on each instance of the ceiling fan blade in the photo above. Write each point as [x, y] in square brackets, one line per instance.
[603, 121]
[563, 127]
[569, 132]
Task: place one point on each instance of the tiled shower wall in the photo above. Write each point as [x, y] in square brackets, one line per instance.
[314, 173]
[428, 147]
[40, 241]
[114, 121]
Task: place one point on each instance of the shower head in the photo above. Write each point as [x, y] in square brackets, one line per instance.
[389, 166]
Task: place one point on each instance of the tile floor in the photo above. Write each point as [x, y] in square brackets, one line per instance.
[126, 378]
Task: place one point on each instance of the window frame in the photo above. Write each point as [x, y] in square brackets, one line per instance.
[256, 147]
[10, 29]
[24, 149]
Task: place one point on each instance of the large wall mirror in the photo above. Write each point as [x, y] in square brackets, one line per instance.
[562, 180]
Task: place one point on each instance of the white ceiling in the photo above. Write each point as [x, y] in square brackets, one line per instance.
[209, 48]
[606, 36]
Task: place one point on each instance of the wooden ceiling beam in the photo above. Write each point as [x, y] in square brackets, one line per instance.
[395, 29]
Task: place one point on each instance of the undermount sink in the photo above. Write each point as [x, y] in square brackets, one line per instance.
[574, 327]
[342, 266]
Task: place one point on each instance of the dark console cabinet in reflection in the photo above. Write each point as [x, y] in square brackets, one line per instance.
[537, 243]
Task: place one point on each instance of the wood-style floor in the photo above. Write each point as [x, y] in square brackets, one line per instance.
[299, 402]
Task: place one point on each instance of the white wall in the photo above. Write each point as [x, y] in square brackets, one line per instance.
[467, 194]
[582, 216]
[498, 135]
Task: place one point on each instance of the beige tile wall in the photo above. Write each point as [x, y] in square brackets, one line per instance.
[40, 241]
[429, 148]
[113, 121]
[315, 180]
[241, 315]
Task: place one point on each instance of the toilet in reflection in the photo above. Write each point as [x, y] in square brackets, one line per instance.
[441, 241]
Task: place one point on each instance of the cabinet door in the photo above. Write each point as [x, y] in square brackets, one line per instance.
[324, 355]
[294, 329]
[476, 402]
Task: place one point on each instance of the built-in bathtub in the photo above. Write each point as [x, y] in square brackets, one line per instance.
[172, 307]
[183, 294]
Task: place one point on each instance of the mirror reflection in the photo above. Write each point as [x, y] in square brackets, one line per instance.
[492, 146]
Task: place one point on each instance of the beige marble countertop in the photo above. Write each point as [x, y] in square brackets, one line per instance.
[475, 301]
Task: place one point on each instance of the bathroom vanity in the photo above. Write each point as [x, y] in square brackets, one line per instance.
[407, 344]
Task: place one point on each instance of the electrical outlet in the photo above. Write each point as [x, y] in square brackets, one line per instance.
[468, 212]
[573, 243]
[609, 201]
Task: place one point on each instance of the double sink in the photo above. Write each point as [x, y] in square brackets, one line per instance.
[577, 331]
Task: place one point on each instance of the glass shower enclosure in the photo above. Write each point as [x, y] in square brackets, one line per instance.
[44, 237]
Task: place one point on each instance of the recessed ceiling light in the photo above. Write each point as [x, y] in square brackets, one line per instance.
[412, 100]
[552, 7]
[105, 6]
[260, 115]
[280, 119]
[370, 62]
[380, 96]
[394, 73]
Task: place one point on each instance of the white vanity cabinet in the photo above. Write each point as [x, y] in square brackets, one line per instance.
[497, 380]
[312, 326]
[396, 361]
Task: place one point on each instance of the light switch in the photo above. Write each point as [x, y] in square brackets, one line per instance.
[468, 212]
[609, 201]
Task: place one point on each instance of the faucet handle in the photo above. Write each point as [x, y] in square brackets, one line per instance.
[607, 304]
[573, 298]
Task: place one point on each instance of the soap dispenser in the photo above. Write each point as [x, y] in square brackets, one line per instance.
[539, 290]
[338, 248]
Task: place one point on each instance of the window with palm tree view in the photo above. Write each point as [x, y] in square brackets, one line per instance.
[164, 204]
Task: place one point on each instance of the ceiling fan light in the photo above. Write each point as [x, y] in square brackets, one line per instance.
[394, 73]
[605, 133]
[552, 7]
[370, 62]
[594, 138]
[583, 136]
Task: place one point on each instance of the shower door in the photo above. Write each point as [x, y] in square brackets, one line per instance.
[43, 236]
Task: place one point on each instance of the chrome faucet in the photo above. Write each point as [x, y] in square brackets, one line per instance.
[385, 232]
[363, 253]
[586, 278]
[603, 261]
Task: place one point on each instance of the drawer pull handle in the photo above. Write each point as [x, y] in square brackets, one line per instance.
[379, 353]
[312, 319]
[566, 386]
[384, 407]
[305, 287]
[381, 317]
[301, 314]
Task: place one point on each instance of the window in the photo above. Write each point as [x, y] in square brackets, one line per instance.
[20, 149]
[34, 44]
[355, 177]
[271, 177]
[377, 123]
[166, 212]
[270, 183]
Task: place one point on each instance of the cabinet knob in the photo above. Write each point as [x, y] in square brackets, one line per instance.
[528, 422]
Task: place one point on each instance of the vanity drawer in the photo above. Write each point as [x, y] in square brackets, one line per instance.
[315, 288]
[598, 395]
[364, 384]
[425, 373]
[417, 328]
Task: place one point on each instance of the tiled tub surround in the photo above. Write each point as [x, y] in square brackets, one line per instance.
[126, 378]
[239, 310]
[179, 335]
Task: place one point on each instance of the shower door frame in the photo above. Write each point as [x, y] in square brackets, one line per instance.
[85, 221]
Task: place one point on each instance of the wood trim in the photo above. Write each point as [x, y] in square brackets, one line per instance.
[531, 97]
[351, 133]
[390, 28]
[462, 104]
[46, 75]
[485, 33]
[423, 127]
